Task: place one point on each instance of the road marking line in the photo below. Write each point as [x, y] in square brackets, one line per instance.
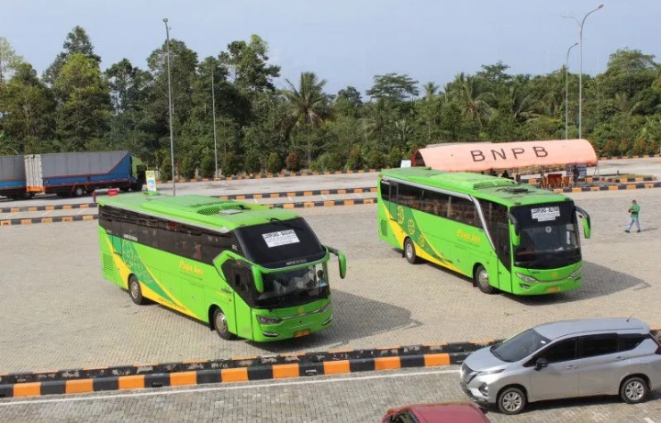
[648, 420]
[242, 386]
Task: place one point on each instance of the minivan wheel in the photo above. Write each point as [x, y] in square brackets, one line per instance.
[511, 401]
[409, 251]
[482, 280]
[634, 390]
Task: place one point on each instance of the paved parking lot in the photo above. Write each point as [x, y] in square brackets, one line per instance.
[362, 397]
[58, 312]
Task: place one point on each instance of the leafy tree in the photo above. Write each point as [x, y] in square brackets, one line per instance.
[274, 163]
[76, 42]
[84, 102]
[248, 66]
[308, 107]
[29, 110]
[9, 60]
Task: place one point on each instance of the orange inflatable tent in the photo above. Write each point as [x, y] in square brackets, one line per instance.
[479, 156]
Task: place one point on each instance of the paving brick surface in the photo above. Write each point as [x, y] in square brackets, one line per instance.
[58, 312]
[352, 398]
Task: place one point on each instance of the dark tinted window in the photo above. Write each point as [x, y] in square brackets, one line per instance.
[520, 346]
[593, 346]
[463, 210]
[559, 352]
[405, 417]
[281, 243]
[629, 342]
[186, 241]
[385, 190]
[436, 203]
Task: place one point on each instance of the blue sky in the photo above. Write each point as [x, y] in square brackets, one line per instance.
[346, 42]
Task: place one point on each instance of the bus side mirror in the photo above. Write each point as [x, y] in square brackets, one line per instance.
[257, 278]
[342, 260]
[585, 221]
[515, 230]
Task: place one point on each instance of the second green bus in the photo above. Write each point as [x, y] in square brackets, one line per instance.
[503, 235]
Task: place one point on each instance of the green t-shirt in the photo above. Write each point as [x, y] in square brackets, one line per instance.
[634, 210]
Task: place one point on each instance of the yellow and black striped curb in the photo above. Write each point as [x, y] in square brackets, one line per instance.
[48, 208]
[304, 193]
[330, 203]
[299, 205]
[243, 369]
[273, 175]
[618, 187]
[55, 219]
[255, 196]
[643, 156]
[591, 179]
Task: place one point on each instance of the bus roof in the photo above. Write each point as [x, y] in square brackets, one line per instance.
[501, 190]
[198, 210]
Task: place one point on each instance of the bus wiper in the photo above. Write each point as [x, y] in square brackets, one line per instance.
[283, 222]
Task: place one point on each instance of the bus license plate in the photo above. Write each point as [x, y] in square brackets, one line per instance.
[553, 289]
[301, 333]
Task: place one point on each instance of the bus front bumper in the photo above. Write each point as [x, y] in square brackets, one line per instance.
[543, 288]
[294, 327]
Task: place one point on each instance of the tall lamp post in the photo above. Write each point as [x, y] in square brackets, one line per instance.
[213, 107]
[580, 66]
[174, 182]
[567, 92]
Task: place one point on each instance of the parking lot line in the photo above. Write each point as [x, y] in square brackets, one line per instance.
[648, 420]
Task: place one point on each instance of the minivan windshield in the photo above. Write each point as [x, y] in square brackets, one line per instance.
[520, 346]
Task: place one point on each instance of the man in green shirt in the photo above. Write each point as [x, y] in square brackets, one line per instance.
[634, 211]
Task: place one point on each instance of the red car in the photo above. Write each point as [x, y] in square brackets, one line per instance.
[448, 412]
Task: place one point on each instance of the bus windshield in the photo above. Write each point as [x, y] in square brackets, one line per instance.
[293, 287]
[549, 236]
[280, 243]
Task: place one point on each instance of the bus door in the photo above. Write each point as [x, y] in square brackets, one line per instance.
[504, 253]
[393, 200]
[243, 285]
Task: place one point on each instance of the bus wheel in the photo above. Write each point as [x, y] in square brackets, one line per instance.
[482, 280]
[135, 291]
[409, 251]
[220, 324]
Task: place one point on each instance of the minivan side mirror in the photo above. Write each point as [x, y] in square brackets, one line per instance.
[541, 363]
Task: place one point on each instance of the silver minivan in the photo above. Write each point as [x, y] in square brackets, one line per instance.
[566, 359]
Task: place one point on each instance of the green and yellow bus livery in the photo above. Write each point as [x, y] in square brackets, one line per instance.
[503, 235]
[246, 270]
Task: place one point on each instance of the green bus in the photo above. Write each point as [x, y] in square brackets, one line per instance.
[503, 235]
[246, 270]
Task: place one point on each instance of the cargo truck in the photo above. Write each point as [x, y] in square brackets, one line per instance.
[77, 174]
[12, 177]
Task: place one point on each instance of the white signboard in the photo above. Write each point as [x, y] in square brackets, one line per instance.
[544, 214]
[276, 239]
[405, 163]
[151, 180]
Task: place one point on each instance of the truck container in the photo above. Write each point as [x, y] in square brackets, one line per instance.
[76, 174]
[12, 177]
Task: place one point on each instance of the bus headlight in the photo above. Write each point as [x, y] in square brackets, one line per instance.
[324, 308]
[268, 320]
[526, 278]
[576, 272]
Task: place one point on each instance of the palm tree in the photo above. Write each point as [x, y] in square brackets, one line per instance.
[308, 105]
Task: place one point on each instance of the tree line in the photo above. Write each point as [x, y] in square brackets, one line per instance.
[75, 106]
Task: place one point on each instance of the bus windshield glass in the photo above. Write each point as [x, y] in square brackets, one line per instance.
[549, 236]
[293, 286]
[280, 243]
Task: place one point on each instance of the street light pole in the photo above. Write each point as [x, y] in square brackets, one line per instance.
[580, 66]
[174, 182]
[567, 92]
[213, 107]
